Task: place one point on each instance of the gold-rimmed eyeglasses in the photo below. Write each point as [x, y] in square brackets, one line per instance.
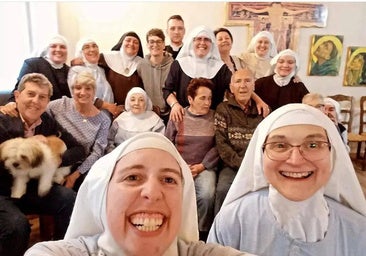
[310, 150]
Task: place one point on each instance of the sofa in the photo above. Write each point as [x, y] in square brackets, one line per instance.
[4, 96]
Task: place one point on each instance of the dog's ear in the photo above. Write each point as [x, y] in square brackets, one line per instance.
[37, 157]
[37, 160]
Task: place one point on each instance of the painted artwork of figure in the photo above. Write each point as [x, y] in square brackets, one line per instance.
[355, 72]
[325, 55]
[280, 18]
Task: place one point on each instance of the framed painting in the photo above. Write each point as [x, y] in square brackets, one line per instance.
[281, 18]
[355, 70]
[325, 55]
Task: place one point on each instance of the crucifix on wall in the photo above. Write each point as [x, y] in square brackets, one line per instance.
[281, 18]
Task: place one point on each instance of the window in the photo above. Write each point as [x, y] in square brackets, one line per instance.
[22, 26]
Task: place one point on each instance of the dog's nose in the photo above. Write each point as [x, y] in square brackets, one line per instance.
[16, 165]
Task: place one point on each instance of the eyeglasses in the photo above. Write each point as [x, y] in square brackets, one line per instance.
[157, 42]
[320, 106]
[310, 150]
[202, 39]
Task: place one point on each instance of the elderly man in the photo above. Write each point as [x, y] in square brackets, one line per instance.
[32, 96]
[235, 122]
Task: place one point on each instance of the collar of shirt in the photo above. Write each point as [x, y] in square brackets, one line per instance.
[30, 130]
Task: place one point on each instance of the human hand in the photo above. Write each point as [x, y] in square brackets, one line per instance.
[77, 62]
[41, 138]
[114, 109]
[71, 179]
[297, 79]
[263, 109]
[176, 113]
[196, 169]
[10, 109]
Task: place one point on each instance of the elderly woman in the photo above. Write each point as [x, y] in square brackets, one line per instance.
[88, 50]
[84, 121]
[224, 40]
[261, 49]
[199, 57]
[138, 117]
[194, 138]
[280, 88]
[133, 203]
[296, 191]
[332, 109]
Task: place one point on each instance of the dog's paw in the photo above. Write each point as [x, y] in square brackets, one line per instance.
[17, 194]
[42, 191]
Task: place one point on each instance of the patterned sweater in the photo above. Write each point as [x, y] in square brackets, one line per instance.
[194, 138]
[234, 129]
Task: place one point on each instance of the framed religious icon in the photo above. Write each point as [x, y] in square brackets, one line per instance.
[355, 70]
[325, 55]
[283, 19]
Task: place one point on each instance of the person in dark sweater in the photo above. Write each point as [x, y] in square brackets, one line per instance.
[33, 95]
[235, 122]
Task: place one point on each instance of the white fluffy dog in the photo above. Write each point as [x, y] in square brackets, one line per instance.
[28, 158]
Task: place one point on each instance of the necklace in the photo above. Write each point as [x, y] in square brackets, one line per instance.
[127, 69]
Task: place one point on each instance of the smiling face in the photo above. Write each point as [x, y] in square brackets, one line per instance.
[91, 52]
[131, 45]
[83, 94]
[224, 42]
[137, 103]
[201, 46]
[32, 101]
[297, 178]
[57, 53]
[262, 46]
[285, 65]
[155, 45]
[144, 202]
[331, 112]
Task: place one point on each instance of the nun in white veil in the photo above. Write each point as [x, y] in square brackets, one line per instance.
[91, 231]
[261, 49]
[134, 120]
[88, 50]
[258, 217]
[199, 57]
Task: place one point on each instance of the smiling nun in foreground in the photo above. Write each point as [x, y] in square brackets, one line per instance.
[133, 203]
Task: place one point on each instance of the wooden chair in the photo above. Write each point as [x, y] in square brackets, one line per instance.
[360, 138]
[46, 225]
[346, 103]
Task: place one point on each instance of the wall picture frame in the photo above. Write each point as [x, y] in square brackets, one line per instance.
[355, 69]
[325, 55]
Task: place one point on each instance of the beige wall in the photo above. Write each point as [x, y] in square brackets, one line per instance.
[107, 21]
